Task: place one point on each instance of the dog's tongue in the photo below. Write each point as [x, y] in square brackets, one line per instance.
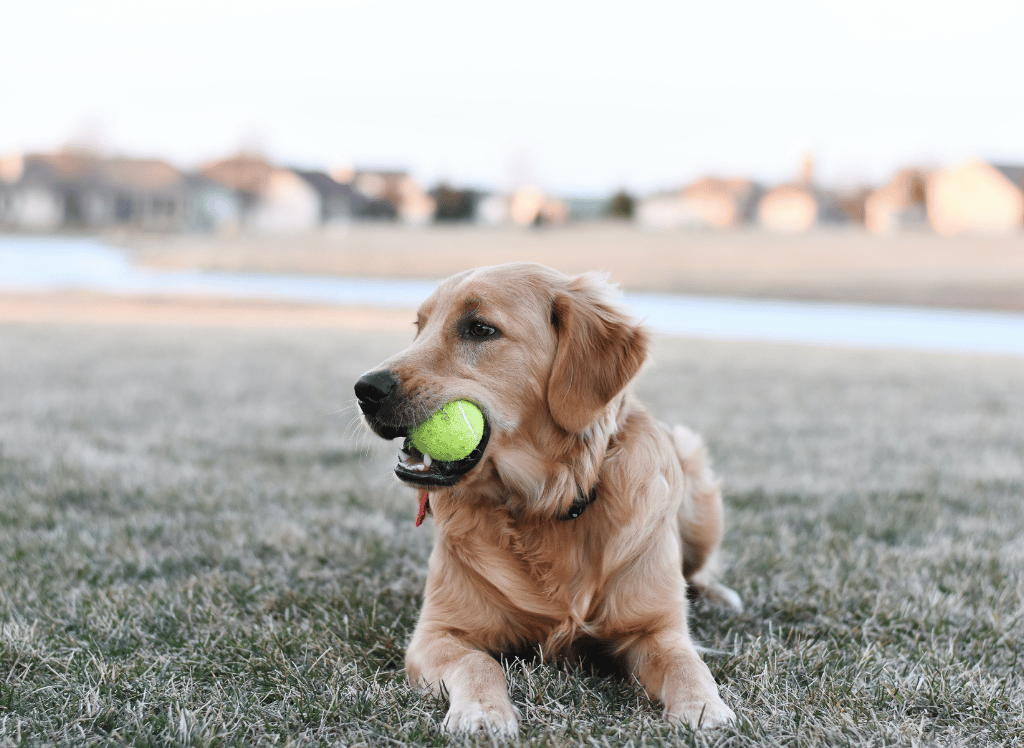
[424, 508]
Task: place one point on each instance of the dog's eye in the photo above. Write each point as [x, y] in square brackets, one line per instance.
[480, 330]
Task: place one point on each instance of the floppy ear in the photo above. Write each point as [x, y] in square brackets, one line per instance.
[600, 348]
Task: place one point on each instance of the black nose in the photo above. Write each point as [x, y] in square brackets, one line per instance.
[376, 387]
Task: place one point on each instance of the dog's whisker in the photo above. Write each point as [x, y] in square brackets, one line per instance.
[351, 407]
[351, 404]
[353, 430]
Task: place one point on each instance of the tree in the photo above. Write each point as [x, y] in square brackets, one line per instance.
[453, 204]
[621, 206]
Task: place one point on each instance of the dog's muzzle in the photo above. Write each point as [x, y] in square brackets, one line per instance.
[378, 393]
[380, 398]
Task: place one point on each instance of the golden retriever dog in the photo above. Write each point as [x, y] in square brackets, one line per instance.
[578, 521]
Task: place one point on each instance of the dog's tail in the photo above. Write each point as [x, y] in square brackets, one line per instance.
[701, 519]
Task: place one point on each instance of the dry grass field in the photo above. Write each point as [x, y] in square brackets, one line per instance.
[199, 545]
[826, 265]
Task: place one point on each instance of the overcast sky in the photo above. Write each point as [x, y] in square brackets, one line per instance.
[581, 96]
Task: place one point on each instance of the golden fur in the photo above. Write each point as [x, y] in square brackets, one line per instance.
[508, 571]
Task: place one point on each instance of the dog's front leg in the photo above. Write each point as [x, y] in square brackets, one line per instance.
[669, 669]
[473, 679]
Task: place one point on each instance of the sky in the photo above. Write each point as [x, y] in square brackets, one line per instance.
[579, 97]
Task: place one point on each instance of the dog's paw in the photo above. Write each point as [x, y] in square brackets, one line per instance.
[699, 715]
[499, 720]
[724, 597]
[716, 594]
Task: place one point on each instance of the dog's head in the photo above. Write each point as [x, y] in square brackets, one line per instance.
[540, 353]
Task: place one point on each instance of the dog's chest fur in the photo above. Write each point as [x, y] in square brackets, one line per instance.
[544, 574]
[553, 575]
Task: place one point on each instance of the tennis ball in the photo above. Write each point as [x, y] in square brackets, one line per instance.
[451, 433]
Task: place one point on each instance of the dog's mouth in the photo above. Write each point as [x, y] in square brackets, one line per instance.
[420, 469]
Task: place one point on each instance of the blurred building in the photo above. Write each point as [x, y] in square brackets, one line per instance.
[525, 204]
[338, 200]
[899, 205]
[287, 204]
[852, 203]
[794, 208]
[392, 195]
[710, 202]
[662, 210]
[80, 190]
[32, 194]
[148, 194]
[211, 207]
[798, 207]
[453, 205]
[788, 209]
[531, 206]
[588, 209]
[492, 210]
[553, 211]
[976, 197]
[272, 199]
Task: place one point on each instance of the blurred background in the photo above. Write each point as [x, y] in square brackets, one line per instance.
[868, 152]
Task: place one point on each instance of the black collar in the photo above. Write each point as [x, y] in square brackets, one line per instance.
[580, 505]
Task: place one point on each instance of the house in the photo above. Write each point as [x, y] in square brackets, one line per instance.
[81, 190]
[589, 209]
[147, 194]
[793, 208]
[338, 199]
[392, 195]
[273, 199]
[12, 165]
[898, 205]
[45, 192]
[28, 203]
[525, 204]
[710, 202]
[788, 209]
[493, 210]
[211, 207]
[530, 206]
[721, 203]
[976, 197]
[245, 173]
[662, 210]
[378, 196]
[287, 204]
[454, 205]
[553, 212]
[852, 203]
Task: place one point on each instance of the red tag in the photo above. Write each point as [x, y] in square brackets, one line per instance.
[424, 508]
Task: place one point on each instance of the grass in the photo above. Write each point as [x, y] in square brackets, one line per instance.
[198, 546]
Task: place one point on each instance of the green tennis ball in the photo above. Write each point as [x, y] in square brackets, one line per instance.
[451, 433]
